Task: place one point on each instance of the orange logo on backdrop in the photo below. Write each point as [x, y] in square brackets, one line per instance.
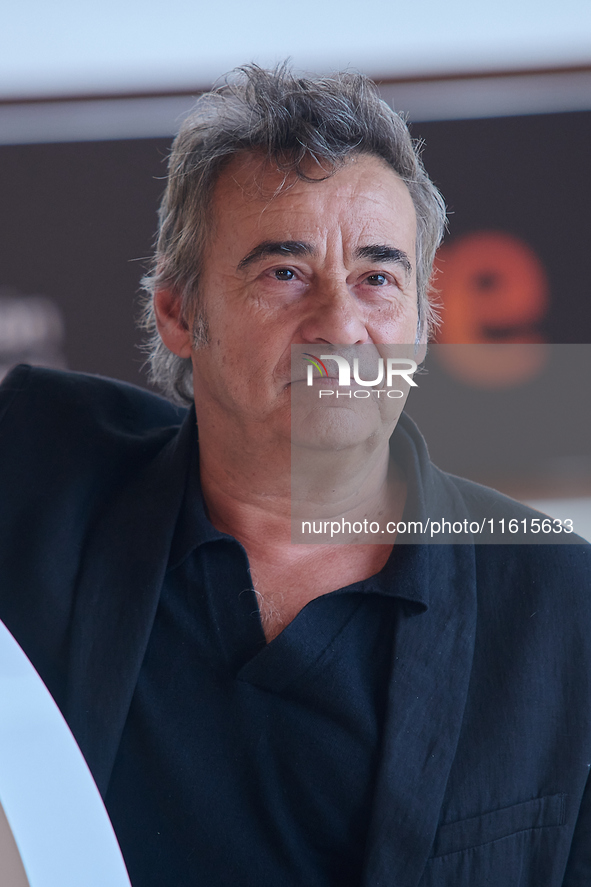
[494, 290]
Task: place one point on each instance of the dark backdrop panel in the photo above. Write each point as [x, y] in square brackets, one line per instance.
[527, 176]
[77, 222]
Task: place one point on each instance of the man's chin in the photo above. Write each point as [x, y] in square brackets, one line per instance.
[334, 430]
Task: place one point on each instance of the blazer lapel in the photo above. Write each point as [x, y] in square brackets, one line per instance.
[118, 591]
[429, 684]
[433, 650]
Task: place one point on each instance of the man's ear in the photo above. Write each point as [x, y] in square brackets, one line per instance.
[172, 327]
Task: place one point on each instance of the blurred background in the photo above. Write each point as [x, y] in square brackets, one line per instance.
[91, 96]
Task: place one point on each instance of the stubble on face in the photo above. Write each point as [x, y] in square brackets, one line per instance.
[200, 332]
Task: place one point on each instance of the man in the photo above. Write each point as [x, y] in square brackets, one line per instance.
[257, 711]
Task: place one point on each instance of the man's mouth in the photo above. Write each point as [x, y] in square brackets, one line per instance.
[318, 381]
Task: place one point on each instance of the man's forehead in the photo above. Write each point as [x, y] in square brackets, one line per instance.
[264, 177]
[252, 190]
[260, 178]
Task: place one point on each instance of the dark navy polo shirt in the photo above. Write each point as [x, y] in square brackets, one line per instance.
[246, 763]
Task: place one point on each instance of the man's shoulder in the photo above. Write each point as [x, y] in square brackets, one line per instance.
[524, 552]
[483, 501]
[63, 430]
[458, 510]
[62, 401]
[493, 511]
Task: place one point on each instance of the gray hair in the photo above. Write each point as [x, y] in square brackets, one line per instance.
[291, 121]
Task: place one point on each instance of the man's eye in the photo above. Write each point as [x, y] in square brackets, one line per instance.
[284, 274]
[376, 279]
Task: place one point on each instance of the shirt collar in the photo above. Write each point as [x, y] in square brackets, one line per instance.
[406, 573]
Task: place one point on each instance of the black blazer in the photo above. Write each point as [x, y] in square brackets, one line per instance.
[487, 745]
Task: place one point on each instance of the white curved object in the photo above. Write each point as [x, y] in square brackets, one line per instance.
[50, 801]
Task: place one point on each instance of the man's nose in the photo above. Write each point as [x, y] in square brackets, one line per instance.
[334, 316]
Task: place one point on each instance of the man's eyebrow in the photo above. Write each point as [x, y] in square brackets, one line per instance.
[379, 252]
[276, 248]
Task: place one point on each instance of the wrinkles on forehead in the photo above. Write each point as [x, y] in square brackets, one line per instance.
[261, 177]
[283, 213]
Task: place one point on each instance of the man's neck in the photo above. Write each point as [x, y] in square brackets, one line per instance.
[258, 491]
[256, 496]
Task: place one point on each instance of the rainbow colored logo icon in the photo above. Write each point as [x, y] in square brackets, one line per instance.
[315, 361]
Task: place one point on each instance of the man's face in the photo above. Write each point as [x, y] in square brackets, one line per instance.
[290, 262]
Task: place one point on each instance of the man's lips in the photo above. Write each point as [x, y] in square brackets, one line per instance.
[333, 382]
[318, 380]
